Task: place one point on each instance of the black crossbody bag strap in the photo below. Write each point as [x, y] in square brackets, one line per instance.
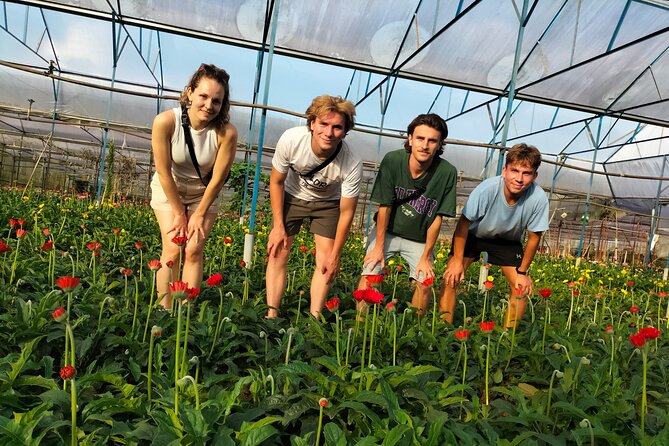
[415, 194]
[321, 166]
[185, 123]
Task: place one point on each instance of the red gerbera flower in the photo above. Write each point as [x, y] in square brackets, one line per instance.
[575, 292]
[400, 267]
[227, 240]
[68, 372]
[487, 326]
[650, 332]
[304, 248]
[68, 283]
[488, 284]
[21, 222]
[178, 289]
[462, 334]
[59, 314]
[20, 233]
[242, 263]
[180, 240]
[127, 272]
[634, 309]
[390, 306]
[371, 296]
[661, 294]
[4, 247]
[630, 283]
[139, 245]
[192, 293]
[429, 281]
[332, 304]
[47, 245]
[155, 265]
[93, 246]
[545, 293]
[12, 222]
[46, 231]
[115, 231]
[637, 339]
[169, 263]
[609, 329]
[214, 280]
[374, 278]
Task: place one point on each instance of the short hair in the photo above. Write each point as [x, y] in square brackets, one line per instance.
[432, 120]
[523, 154]
[210, 71]
[331, 104]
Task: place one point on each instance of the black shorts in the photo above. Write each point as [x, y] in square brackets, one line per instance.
[501, 252]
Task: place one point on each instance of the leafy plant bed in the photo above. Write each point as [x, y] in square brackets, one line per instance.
[583, 366]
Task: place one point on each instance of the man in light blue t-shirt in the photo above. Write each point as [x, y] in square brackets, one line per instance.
[494, 219]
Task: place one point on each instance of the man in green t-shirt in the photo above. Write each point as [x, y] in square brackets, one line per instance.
[414, 188]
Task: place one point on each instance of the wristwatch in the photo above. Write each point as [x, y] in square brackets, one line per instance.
[522, 273]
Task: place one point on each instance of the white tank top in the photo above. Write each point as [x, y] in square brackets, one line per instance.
[205, 144]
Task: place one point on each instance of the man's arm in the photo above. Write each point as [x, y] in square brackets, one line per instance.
[347, 207]
[378, 255]
[524, 282]
[278, 238]
[425, 264]
[454, 271]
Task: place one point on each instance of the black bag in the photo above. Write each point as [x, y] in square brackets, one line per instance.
[185, 123]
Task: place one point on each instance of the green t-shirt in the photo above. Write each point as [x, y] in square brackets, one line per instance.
[412, 219]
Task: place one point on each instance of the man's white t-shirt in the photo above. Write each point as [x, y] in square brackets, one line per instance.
[294, 155]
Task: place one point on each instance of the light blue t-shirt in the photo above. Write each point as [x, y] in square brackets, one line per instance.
[493, 217]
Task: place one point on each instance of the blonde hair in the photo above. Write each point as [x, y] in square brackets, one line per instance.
[331, 104]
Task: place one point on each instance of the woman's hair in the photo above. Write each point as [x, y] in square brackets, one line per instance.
[329, 104]
[431, 120]
[219, 75]
[524, 154]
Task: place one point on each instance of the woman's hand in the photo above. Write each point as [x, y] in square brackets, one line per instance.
[196, 227]
[179, 226]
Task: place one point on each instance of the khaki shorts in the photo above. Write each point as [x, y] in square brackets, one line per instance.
[323, 216]
[190, 193]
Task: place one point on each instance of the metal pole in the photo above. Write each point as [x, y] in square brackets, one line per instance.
[512, 85]
[105, 137]
[249, 237]
[655, 213]
[584, 218]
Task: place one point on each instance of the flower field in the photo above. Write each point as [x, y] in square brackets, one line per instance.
[87, 358]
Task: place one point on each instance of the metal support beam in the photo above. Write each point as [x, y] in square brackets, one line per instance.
[512, 84]
[655, 214]
[585, 217]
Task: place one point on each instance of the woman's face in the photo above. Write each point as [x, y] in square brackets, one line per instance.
[206, 100]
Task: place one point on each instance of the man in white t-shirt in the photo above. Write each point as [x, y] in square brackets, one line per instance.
[315, 175]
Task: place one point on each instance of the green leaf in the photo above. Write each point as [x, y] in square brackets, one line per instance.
[334, 436]
[394, 410]
[253, 434]
[18, 365]
[396, 435]
[361, 408]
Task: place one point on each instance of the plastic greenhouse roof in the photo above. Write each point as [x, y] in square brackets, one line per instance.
[591, 87]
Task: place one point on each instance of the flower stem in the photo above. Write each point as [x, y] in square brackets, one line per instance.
[185, 349]
[177, 363]
[371, 335]
[218, 322]
[150, 310]
[149, 373]
[320, 426]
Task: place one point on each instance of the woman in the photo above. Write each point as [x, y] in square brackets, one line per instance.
[183, 204]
